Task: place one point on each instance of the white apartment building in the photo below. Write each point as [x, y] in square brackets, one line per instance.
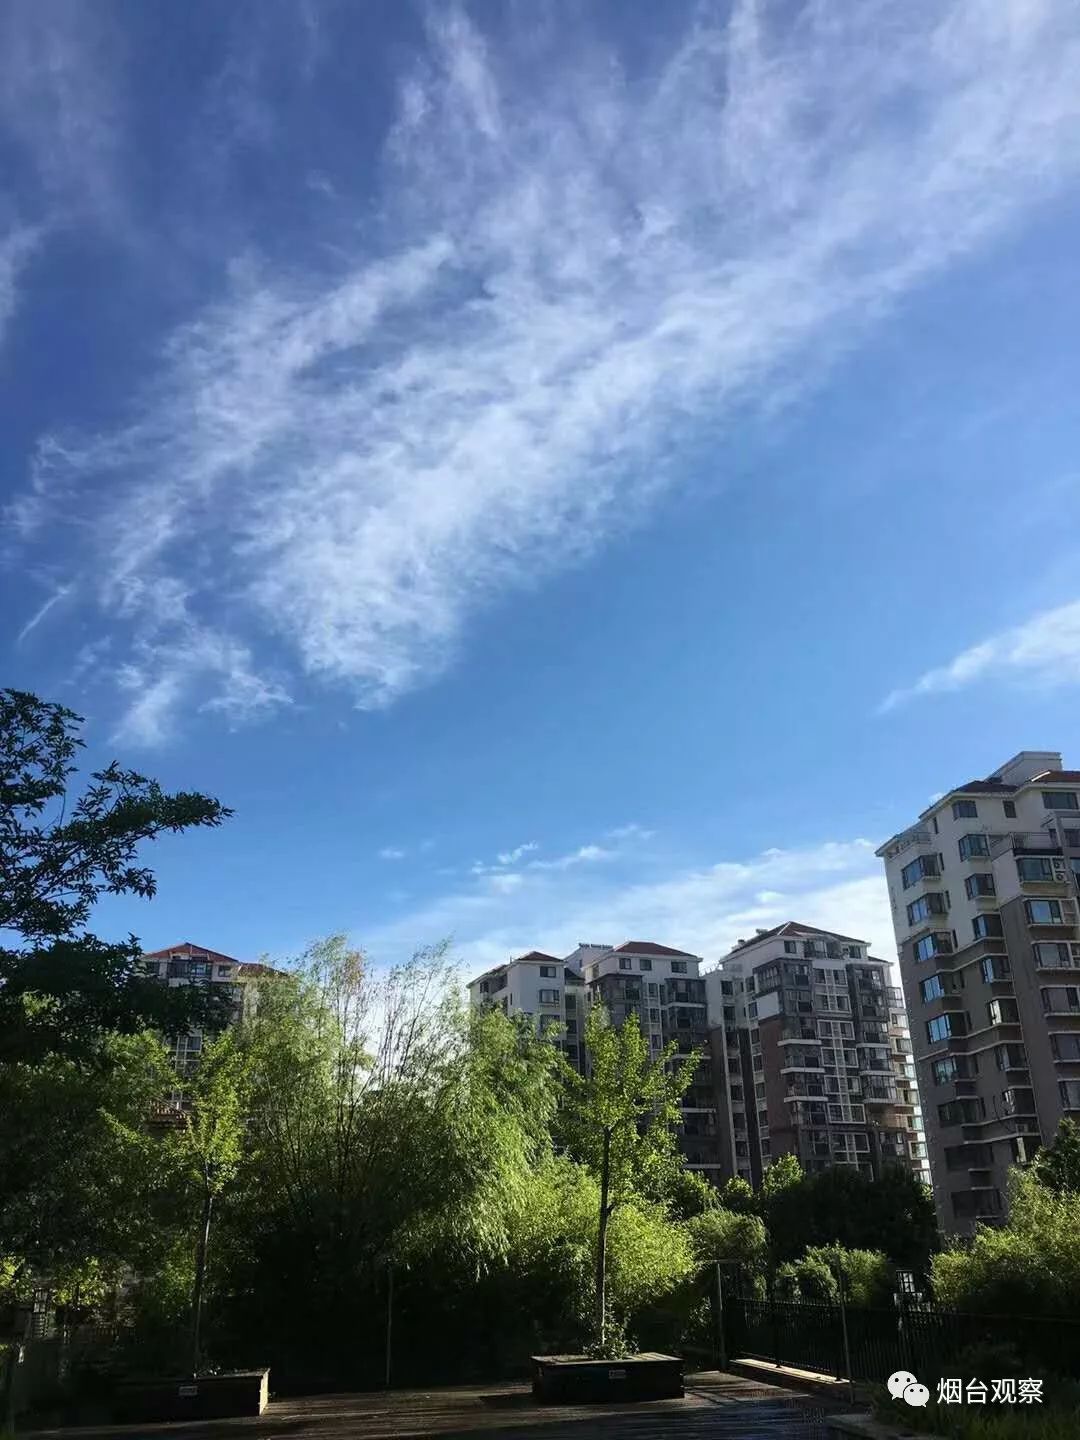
[659, 984]
[812, 1056]
[983, 889]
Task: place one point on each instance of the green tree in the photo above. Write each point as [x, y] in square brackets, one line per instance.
[1058, 1165]
[207, 1148]
[738, 1194]
[61, 989]
[730, 1237]
[82, 1182]
[623, 1117]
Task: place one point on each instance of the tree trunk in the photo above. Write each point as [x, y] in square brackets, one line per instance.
[601, 1244]
[200, 1280]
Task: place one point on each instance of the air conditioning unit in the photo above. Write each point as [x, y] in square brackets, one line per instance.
[1060, 871]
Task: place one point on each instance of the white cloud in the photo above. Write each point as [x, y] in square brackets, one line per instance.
[511, 857]
[568, 268]
[583, 855]
[61, 593]
[391, 852]
[632, 831]
[16, 247]
[1044, 650]
[838, 885]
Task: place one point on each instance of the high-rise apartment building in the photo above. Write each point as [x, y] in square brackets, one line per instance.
[188, 964]
[661, 985]
[984, 901]
[812, 1056]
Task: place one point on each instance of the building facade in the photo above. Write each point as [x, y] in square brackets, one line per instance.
[659, 984]
[812, 1056]
[984, 893]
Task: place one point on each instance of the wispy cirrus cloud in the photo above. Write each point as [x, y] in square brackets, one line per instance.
[392, 852]
[568, 270]
[1044, 650]
[704, 909]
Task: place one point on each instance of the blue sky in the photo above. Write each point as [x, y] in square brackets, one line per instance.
[560, 472]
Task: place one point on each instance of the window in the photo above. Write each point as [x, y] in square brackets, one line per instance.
[1060, 999]
[654, 1017]
[1066, 1047]
[1035, 868]
[924, 868]
[939, 943]
[790, 948]
[1054, 956]
[962, 1112]
[972, 845]
[945, 1071]
[964, 810]
[625, 963]
[678, 967]
[994, 967]
[1072, 839]
[199, 970]
[645, 964]
[1003, 1012]
[1069, 1090]
[981, 883]
[1060, 800]
[1009, 807]
[654, 988]
[932, 988]
[1010, 1057]
[549, 997]
[939, 1028]
[924, 907]
[548, 972]
[571, 1026]
[1043, 912]
[985, 927]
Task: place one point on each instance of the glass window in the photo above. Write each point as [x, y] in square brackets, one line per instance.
[547, 972]
[972, 845]
[654, 988]
[932, 988]
[1059, 999]
[1003, 1012]
[944, 1071]
[1060, 800]
[994, 967]
[964, 810]
[1054, 954]
[1009, 807]
[645, 963]
[939, 943]
[1036, 868]
[1072, 839]
[678, 967]
[1069, 1090]
[790, 948]
[925, 867]
[625, 963]
[924, 907]
[1043, 912]
[1066, 1047]
[940, 1028]
[986, 926]
[981, 883]
[549, 997]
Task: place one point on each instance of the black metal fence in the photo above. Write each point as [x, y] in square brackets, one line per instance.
[868, 1343]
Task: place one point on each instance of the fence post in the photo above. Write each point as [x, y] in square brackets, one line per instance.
[389, 1315]
[721, 1338]
[844, 1332]
[773, 1323]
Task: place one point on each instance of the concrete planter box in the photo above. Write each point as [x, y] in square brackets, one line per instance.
[210, 1397]
[569, 1379]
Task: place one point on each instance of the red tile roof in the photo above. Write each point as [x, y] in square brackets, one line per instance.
[650, 947]
[982, 787]
[1057, 777]
[186, 948]
[539, 955]
[796, 927]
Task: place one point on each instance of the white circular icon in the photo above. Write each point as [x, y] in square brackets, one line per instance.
[899, 1381]
[917, 1395]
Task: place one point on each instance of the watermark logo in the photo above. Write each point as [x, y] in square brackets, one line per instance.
[903, 1385]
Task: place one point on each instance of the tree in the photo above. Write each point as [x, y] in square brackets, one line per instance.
[622, 1120]
[1058, 1165]
[730, 1237]
[207, 1147]
[61, 989]
[738, 1194]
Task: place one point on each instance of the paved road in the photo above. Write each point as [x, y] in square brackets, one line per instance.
[716, 1407]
